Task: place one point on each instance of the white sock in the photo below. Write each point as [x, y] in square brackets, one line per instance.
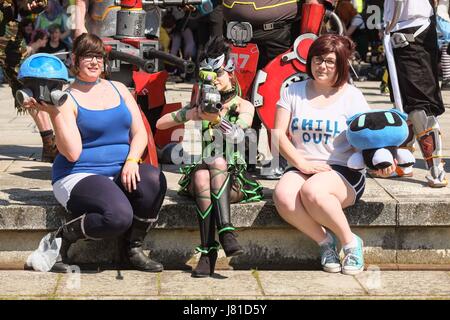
[328, 239]
[351, 244]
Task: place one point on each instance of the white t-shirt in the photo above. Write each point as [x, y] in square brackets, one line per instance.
[414, 13]
[358, 22]
[319, 133]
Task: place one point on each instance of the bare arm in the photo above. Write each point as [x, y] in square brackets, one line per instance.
[80, 14]
[138, 141]
[176, 118]
[246, 113]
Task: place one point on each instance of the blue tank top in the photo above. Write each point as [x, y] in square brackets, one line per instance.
[105, 138]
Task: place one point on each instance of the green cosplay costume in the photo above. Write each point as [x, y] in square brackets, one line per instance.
[218, 212]
[250, 190]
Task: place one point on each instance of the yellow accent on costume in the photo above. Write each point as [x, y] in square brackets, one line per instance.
[97, 17]
[252, 3]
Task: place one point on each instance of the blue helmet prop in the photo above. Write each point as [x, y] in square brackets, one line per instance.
[43, 76]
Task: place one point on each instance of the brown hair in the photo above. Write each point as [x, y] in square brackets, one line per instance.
[346, 12]
[342, 46]
[87, 44]
[38, 34]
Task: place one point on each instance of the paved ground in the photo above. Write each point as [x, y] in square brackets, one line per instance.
[252, 284]
[20, 146]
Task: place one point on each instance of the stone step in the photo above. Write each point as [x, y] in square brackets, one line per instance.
[401, 222]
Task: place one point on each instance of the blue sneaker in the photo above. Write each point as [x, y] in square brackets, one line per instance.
[329, 256]
[353, 262]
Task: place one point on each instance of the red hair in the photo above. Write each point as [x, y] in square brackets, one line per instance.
[342, 46]
[346, 11]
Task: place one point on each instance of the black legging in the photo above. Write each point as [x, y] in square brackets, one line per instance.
[109, 208]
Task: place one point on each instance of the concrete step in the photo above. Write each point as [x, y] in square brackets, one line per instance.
[401, 221]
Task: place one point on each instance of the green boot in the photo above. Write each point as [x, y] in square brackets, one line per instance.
[221, 208]
[208, 247]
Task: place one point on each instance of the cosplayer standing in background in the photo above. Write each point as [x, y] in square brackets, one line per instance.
[316, 188]
[217, 180]
[13, 50]
[415, 51]
[98, 176]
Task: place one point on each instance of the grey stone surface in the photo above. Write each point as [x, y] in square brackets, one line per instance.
[27, 283]
[300, 283]
[424, 213]
[412, 283]
[380, 244]
[17, 217]
[182, 284]
[108, 283]
[4, 164]
[426, 245]
[265, 249]
[251, 285]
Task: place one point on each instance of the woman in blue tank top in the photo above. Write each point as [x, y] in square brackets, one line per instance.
[98, 176]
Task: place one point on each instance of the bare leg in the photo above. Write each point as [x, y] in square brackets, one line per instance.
[324, 196]
[288, 201]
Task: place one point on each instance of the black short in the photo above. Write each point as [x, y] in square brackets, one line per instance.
[355, 179]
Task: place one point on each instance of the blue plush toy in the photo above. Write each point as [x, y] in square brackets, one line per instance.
[376, 135]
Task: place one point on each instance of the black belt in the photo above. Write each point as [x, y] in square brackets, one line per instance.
[272, 25]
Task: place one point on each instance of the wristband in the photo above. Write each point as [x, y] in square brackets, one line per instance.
[138, 161]
[182, 113]
[175, 118]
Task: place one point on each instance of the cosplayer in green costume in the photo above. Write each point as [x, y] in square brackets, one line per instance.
[219, 178]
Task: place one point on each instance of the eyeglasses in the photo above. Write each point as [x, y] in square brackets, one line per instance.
[90, 58]
[220, 72]
[318, 60]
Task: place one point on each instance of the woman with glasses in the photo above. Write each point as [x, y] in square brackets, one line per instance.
[98, 176]
[316, 188]
[218, 179]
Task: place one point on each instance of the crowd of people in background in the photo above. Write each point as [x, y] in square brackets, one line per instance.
[184, 33]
